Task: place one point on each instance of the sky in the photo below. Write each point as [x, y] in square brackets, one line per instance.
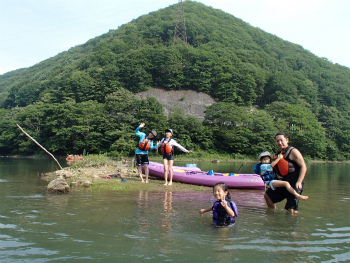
[34, 30]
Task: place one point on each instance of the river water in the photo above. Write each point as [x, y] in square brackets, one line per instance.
[86, 226]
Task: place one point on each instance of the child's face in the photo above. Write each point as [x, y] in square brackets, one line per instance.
[219, 193]
[265, 159]
[168, 134]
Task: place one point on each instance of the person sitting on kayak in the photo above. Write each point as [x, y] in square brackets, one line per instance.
[224, 210]
[265, 170]
[144, 145]
[166, 146]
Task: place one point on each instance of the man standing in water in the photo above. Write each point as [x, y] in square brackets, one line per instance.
[294, 171]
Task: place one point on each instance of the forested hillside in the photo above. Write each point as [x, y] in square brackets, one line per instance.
[82, 99]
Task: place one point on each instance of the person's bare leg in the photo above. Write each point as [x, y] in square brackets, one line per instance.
[269, 201]
[165, 163]
[171, 172]
[290, 189]
[293, 211]
[139, 169]
[146, 172]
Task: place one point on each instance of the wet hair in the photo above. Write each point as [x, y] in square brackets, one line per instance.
[224, 188]
[281, 133]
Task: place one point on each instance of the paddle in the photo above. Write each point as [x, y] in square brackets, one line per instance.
[240, 168]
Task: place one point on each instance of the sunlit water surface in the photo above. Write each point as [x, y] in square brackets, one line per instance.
[165, 227]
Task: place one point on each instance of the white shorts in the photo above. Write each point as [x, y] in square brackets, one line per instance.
[269, 184]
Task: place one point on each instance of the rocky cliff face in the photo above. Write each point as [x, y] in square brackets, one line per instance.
[192, 102]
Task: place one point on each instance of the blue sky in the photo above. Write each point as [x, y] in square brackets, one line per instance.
[34, 30]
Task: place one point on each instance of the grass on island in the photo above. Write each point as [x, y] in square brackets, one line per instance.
[94, 167]
[135, 184]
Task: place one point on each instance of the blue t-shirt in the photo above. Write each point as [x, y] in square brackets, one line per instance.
[142, 136]
[265, 167]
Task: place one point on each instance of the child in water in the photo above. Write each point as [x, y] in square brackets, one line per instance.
[224, 210]
[166, 146]
[265, 170]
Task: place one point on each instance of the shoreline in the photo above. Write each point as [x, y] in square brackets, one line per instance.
[180, 157]
[102, 173]
[91, 175]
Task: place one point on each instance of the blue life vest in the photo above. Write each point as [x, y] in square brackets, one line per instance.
[220, 215]
[265, 171]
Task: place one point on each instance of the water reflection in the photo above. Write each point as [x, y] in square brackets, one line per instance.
[143, 218]
[165, 223]
[167, 205]
[225, 238]
[58, 202]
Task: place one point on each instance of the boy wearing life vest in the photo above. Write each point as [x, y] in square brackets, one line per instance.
[144, 145]
[265, 169]
[166, 146]
[294, 173]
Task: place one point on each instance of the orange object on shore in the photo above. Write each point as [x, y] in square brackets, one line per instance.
[74, 157]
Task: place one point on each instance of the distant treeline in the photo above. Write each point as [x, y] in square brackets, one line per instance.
[94, 127]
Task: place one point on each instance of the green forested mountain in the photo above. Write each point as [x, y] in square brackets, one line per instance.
[82, 99]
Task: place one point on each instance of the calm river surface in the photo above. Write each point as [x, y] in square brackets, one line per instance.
[166, 227]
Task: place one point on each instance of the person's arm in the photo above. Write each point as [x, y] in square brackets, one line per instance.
[297, 157]
[279, 157]
[137, 131]
[153, 146]
[180, 147]
[159, 143]
[228, 208]
[202, 211]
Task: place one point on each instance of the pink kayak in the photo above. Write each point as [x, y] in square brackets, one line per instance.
[194, 175]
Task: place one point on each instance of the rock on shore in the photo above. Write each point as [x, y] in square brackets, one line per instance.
[59, 185]
[85, 176]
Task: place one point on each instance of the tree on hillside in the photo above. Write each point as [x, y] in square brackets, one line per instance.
[243, 130]
[301, 126]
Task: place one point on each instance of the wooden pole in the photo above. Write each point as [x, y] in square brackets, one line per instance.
[40, 146]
